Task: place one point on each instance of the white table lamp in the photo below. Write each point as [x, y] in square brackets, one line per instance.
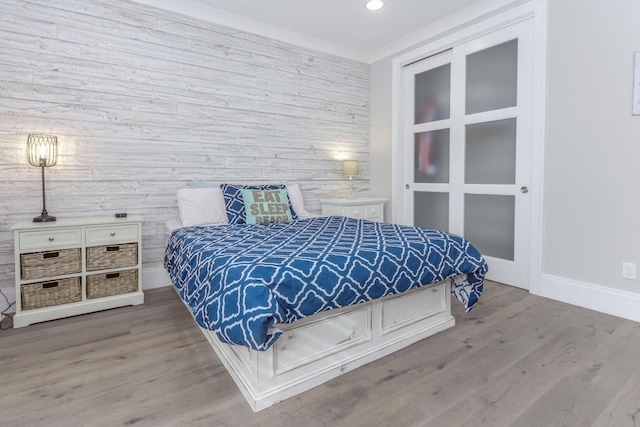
[350, 169]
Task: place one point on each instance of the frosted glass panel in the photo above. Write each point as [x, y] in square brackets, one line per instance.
[431, 154]
[492, 77]
[432, 94]
[489, 222]
[490, 153]
[431, 210]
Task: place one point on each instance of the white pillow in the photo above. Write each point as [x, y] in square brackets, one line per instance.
[173, 224]
[200, 206]
[295, 197]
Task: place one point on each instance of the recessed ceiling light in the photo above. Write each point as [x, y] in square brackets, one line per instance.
[374, 4]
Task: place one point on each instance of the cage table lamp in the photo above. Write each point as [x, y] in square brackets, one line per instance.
[350, 169]
[43, 153]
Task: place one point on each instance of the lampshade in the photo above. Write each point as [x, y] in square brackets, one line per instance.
[349, 168]
[42, 150]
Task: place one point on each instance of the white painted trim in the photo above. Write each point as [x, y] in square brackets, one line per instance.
[595, 297]
[471, 32]
[155, 277]
[538, 143]
[450, 22]
[536, 10]
[217, 16]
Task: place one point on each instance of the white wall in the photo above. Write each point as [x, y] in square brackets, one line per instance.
[381, 153]
[592, 147]
[145, 101]
[593, 142]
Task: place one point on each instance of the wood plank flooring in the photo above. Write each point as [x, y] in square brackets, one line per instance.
[514, 360]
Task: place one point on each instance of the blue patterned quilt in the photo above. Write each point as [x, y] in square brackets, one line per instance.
[240, 280]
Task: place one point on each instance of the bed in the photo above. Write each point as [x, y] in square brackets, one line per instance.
[288, 305]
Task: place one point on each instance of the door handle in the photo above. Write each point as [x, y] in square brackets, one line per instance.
[407, 186]
[524, 189]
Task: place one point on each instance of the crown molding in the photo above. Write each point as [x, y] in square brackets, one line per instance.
[452, 21]
[216, 16]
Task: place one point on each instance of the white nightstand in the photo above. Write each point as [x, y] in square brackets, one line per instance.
[76, 266]
[370, 208]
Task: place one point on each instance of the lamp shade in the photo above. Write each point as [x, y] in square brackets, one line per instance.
[350, 168]
[42, 150]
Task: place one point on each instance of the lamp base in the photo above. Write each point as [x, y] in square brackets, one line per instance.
[44, 218]
[351, 194]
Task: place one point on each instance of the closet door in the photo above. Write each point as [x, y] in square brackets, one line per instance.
[467, 144]
[427, 139]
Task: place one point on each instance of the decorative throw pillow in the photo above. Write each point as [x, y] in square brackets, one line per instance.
[263, 206]
[234, 203]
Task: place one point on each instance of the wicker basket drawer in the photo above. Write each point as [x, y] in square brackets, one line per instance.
[47, 294]
[112, 256]
[50, 263]
[107, 284]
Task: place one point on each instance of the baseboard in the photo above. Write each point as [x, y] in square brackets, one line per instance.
[155, 277]
[595, 297]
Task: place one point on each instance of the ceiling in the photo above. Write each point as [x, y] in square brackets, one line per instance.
[342, 27]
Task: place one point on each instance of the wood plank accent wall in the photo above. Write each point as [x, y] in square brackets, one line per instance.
[145, 101]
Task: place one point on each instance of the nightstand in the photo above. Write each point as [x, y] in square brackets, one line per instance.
[76, 266]
[370, 208]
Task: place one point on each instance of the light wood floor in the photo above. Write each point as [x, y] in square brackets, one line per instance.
[515, 360]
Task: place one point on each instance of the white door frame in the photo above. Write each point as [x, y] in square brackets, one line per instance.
[537, 11]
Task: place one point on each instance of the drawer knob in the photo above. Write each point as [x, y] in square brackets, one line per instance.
[51, 239]
[113, 233]
[373, 211]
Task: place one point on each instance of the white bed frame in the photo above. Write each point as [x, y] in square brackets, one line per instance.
[316, 349]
